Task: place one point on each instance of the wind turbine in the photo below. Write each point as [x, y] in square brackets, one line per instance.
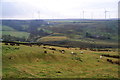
[91, 15]
[83, 14]
[105, 13]
[109, 15]
[38, 14]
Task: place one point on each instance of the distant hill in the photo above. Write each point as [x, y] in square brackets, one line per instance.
[23, 25]
[90, 31]
[6, 28]
[106, 29]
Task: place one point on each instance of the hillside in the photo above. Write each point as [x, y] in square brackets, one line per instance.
[9, 31]
[99, 33]
[94, 28]
[6, 28]
[92, 32]
[49, 62]
[56, 48]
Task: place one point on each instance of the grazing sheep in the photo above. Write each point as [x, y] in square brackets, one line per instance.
[81, 52]
[73, 53]
[6, 43]
[62, 51]
[45, 51]
[109, 60]
[100, 57]
[12, 44]
[11, 57]
[17, 44]
[37, 60]
[58, 72]
[52, 48]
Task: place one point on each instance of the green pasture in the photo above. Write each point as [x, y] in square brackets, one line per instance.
[31, 62]
[15, 33]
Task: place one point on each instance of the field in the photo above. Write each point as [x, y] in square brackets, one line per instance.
[33, 62]
[53, 38]
[7, 30]
[16, 34]
[60, 48]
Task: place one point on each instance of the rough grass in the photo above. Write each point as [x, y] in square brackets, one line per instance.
[16, 34]
[53, 38]
[6, 28]
[95, 41]
[32, 62]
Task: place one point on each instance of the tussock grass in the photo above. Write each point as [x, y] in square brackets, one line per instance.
[32, 62]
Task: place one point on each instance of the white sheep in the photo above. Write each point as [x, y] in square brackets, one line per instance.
[100, 57]
[81, 52]
[73, 53]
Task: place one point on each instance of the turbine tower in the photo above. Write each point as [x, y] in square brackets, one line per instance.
[119, 10]
[109, 15]
[39, 15]
[106, 13]
[83, 14]
[92, 15]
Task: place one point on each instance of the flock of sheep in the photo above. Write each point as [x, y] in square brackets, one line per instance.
[63, 51]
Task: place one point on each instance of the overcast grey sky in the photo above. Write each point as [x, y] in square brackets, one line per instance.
[59, 9]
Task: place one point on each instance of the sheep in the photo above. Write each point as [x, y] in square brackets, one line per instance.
[62, 51]
[109, 60]
[81, 52]
[12, 44]
[100, 57]
[73, 53]
[45, 51]
[11, 57]
[17, 44]
[6, 43]
[51, 48]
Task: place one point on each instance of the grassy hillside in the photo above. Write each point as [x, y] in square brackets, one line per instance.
[6, 28]
[64, 40]
[85, 32]
[71, 28]
[79, 29]
[32, 62]
[72, 31]
[16, 34]
[52, 38]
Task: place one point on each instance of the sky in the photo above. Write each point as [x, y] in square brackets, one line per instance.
[58, 9]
